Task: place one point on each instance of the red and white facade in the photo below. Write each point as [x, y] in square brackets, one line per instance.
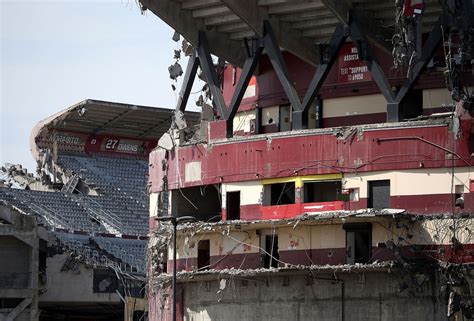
[401, 191]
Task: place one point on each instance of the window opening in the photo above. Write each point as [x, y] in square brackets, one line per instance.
[271, 257]
[233, 205]
[204, 254]
[379, 194]
[201, 202]
[321, 191]
[285, 118]
[279, 194]
[358, 243]
[459, 196]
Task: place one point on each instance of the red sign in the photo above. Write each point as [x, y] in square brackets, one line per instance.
[351, 69]
[61, 140]
[80, 142]
[113, 144]
[413, 7]
[120, 145]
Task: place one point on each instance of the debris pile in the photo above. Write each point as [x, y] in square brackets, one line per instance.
[15, 176]
[165, 278]
[158, 248]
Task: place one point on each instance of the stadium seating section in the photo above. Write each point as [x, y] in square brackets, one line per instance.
[82, 222]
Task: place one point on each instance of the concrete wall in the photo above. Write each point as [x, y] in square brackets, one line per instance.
[23, 316]
[15, 263]
[14, 255]
[271, 115]
[18, 265]
[72, 285]
[372, 296]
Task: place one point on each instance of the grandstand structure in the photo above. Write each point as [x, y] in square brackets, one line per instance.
[334, 180]
[90, 191]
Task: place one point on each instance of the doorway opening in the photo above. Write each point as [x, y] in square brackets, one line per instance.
[233, 205]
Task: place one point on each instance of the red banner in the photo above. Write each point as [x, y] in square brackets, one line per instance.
[351, 69]
[84, 143]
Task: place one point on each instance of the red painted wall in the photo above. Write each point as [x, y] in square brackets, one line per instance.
[229, 85]
[270, 92]
[307, 155]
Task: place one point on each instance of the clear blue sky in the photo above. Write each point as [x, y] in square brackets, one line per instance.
[55, 54]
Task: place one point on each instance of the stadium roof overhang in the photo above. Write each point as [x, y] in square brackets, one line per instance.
[298, 24]
[110, 118]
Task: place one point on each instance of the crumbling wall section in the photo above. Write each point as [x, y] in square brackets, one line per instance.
[19, 265]
[349, 296]
[71, 281]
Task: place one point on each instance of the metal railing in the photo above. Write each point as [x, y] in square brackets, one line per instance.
[51, 216]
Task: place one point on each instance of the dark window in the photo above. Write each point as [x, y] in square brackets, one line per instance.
[321, 191]
[163, 200]
[204, 254]
[279, 194]
[459, 196]
[104, 281]
[43, 245]
[233, 205]
[42, 266]
[271, 255]
[412, 105]
[9, 303]
[163, 264]
[201, 202]
[358, 242]
[285, 118]
[379, 194]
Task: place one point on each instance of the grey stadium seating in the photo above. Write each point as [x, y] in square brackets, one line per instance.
[81, 222]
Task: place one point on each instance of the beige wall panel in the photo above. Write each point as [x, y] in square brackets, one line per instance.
[386, 230]
[242, 120]
[327, 236]
[438, 97]
[154, 204]
[186, 246]
[192, 172]
[237, 243]
[250, 192]
[354, 105]
[436, 231]
[294, 239]
[270, 113]
[412, 182]
[439, 231]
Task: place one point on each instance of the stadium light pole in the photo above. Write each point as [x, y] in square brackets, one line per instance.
[175, 221]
